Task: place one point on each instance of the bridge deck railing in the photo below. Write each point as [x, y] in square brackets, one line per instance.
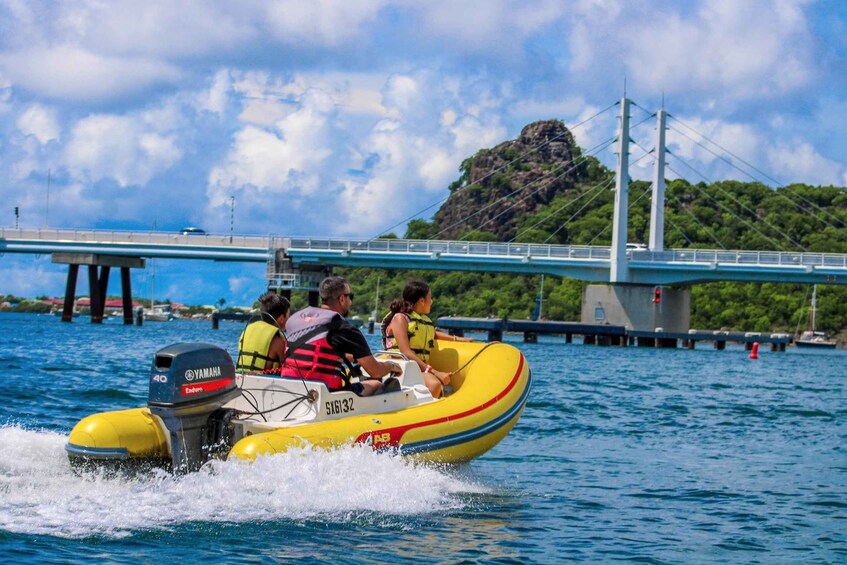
[134, 237]
[434, 248]
[533, 250]
[427, 247]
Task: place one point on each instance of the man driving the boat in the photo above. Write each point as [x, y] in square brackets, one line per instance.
[261, 346]
[321, 339]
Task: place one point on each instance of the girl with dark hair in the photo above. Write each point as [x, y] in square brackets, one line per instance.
[408, 329]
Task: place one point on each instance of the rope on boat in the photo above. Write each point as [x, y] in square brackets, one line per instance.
[298, 398]
[475, 355]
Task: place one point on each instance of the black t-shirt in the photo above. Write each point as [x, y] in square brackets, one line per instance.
[344, 337]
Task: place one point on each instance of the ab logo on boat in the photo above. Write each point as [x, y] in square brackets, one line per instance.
[377, 440]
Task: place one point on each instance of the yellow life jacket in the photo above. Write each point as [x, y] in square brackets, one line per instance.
[421, 335]
[254, 346]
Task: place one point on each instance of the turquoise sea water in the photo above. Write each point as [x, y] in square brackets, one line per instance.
[622, 454]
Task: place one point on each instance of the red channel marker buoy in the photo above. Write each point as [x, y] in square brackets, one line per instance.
[754, 352]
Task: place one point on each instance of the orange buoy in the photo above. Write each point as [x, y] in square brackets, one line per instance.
[754, 352]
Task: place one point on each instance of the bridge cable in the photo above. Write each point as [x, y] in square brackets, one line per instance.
[732, 212]
[681, 232]
[765, 175]
[743, 206]
[629, 206]
[516, 159]
[543, 183]
[708, 230]
[599, 188]
[596, 149]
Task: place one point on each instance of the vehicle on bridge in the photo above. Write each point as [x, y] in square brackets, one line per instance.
[192, 231]
[199, 409]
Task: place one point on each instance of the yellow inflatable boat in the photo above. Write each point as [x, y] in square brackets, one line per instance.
[199, 409]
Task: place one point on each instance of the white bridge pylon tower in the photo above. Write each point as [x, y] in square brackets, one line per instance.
[619, 264]
[657, 206]
[618, 267]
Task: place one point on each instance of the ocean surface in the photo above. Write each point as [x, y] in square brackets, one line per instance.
[622, 454]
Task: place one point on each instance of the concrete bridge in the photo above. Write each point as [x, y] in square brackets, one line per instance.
[288, 257]
[632, 277]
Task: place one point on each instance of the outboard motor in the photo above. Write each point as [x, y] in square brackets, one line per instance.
[189, 383]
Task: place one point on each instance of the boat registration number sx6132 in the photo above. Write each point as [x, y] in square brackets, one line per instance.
[341, 406]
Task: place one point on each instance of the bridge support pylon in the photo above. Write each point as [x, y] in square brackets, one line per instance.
[283, 277]
[638, 307]
[99, 267]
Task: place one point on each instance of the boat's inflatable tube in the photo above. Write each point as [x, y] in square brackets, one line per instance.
[490, 393]
[125, 434]
[491, 385]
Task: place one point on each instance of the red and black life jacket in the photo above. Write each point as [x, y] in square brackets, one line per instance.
[309, 355]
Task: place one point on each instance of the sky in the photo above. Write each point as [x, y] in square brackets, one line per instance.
[338, 118]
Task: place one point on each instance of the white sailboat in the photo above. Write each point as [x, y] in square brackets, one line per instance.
[811, 337]
[155, 313]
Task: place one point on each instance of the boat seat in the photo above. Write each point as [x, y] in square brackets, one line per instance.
[411, 374]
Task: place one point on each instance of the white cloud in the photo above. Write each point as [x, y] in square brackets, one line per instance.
[689, 139]
[155, 28]
[39, 122]
[71, 73]
[216, 97]
[728, 48]
[5, 94]
[470, 135]
[800, 162]
[240, 286]
[31, 277]
[289, 158]
[482, 25]
[417, 153]
[124, 148]
[328, 23]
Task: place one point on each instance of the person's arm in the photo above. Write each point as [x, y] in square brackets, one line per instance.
[349, 340]
[378, 369]
[276, 351]
[448, 337]
[400, 329]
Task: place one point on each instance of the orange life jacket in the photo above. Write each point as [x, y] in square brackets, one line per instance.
[309, 355]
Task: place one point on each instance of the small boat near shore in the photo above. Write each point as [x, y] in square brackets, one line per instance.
[200, 409]
[812, 338]
[159, 313]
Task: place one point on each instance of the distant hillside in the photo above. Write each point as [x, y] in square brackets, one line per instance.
[540, 188]
[516, 178]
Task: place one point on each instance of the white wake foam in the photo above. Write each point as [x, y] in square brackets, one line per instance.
[39, 494]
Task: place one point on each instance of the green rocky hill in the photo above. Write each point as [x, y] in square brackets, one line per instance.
[541, 188]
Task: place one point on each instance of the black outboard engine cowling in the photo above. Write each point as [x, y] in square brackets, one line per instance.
[189, 382]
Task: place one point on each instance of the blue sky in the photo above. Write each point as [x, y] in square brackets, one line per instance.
[341, 118]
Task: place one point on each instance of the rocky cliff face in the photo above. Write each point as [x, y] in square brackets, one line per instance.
[515, 178]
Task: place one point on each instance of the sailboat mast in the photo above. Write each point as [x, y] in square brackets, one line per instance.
[376, 300]
[541, 298]
[814, 307]
[152, 284]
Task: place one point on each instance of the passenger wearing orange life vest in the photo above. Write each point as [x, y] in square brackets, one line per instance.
[319, 339]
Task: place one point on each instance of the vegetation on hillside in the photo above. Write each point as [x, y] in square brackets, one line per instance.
[720, 215]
